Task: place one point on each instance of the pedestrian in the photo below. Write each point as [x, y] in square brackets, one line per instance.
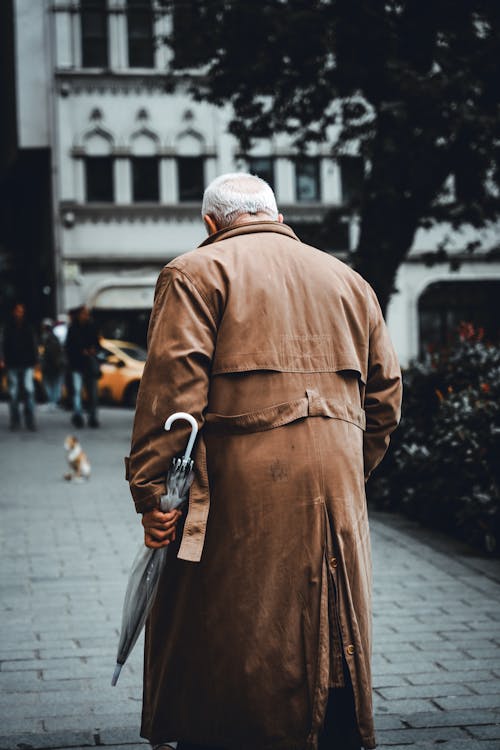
[53, 364]
[82, 347]
[260, 635]
[20, 352]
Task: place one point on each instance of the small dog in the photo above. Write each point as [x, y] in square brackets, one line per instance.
[78, 462]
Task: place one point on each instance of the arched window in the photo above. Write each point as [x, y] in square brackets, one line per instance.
[145, 167]
[190, 147]
[445, 304]
[99, 184]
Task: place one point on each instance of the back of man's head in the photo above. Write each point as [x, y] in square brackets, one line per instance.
[236, 194]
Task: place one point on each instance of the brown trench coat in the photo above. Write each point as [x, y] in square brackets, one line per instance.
[282, 355]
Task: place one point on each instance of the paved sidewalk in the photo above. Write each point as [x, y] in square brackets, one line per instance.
[65, 554]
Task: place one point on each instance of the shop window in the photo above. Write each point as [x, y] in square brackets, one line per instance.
[141, 43]
[307, 182]
[190, 176]
[263, 167]
[352, 177]
[446, 304]
[94, 31]
[99, 179]
[145, 179]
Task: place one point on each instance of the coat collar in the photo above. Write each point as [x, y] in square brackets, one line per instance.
[250, 227]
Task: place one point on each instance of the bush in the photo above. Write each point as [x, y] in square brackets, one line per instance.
[443, 466]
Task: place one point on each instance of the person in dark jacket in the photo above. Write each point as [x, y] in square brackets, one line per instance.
[82, 346]
[20, 353]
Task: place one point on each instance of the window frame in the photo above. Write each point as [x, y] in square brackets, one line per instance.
[153, 160]
[88, 179]
[316, 162]
[351, 191]
[446, 302]
[185, 160]
[98, 8]
[137, 37]
[272, 166]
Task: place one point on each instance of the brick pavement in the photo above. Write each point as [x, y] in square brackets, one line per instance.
[65, 554]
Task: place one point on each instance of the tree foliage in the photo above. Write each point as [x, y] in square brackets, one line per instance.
[411, 86]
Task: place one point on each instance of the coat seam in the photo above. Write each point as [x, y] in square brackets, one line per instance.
[198, 291]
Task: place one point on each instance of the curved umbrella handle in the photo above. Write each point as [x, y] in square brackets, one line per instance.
[194, 429]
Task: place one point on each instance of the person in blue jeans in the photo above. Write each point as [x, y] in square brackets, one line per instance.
[82, 346]
[20, 352]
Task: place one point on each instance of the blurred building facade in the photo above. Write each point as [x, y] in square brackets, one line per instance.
[26, 142]
[129, 162]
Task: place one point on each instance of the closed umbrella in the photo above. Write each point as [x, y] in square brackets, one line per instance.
[149, 563]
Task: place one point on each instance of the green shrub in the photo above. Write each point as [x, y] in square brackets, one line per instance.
[443, 466]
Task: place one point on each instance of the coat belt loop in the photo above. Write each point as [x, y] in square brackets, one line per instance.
[315, 406]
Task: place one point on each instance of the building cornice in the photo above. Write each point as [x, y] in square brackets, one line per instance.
[107, 213]
[72, 81]
[131, 260]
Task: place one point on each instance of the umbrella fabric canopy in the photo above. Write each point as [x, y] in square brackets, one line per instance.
[149, 563]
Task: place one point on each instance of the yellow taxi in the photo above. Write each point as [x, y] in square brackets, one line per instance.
[122, 365]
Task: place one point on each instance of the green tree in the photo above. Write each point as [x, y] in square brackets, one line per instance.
[412, 84]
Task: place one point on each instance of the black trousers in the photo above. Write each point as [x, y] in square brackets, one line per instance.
[339, 730]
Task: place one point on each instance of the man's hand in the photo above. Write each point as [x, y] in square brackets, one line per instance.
[159, 527]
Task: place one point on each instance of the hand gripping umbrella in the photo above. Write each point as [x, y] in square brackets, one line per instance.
[149, 563]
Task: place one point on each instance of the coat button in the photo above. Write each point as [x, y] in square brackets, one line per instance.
[333, 562]
[350, 649]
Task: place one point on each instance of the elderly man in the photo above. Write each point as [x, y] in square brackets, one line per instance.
[260, 636]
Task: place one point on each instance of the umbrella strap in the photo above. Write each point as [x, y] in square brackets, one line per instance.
[193, 537]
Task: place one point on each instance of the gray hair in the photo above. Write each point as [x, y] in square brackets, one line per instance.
[230, 195]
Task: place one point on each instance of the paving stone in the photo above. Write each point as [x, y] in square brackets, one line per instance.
[410, 667]
[491, 686]
[388, 721]
[488, 732]
[19, 725]
[389, 737]
[403, 706]
[424, 691]
[389, 680]
[12, 655]
[94, 723]
[470, 701]
[43, 664]
[457, 664]
[121, 736]
[432, 678]
[459, 718]
[404, 638]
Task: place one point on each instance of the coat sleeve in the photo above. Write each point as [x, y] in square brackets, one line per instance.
[383, 389]
[181, 343]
